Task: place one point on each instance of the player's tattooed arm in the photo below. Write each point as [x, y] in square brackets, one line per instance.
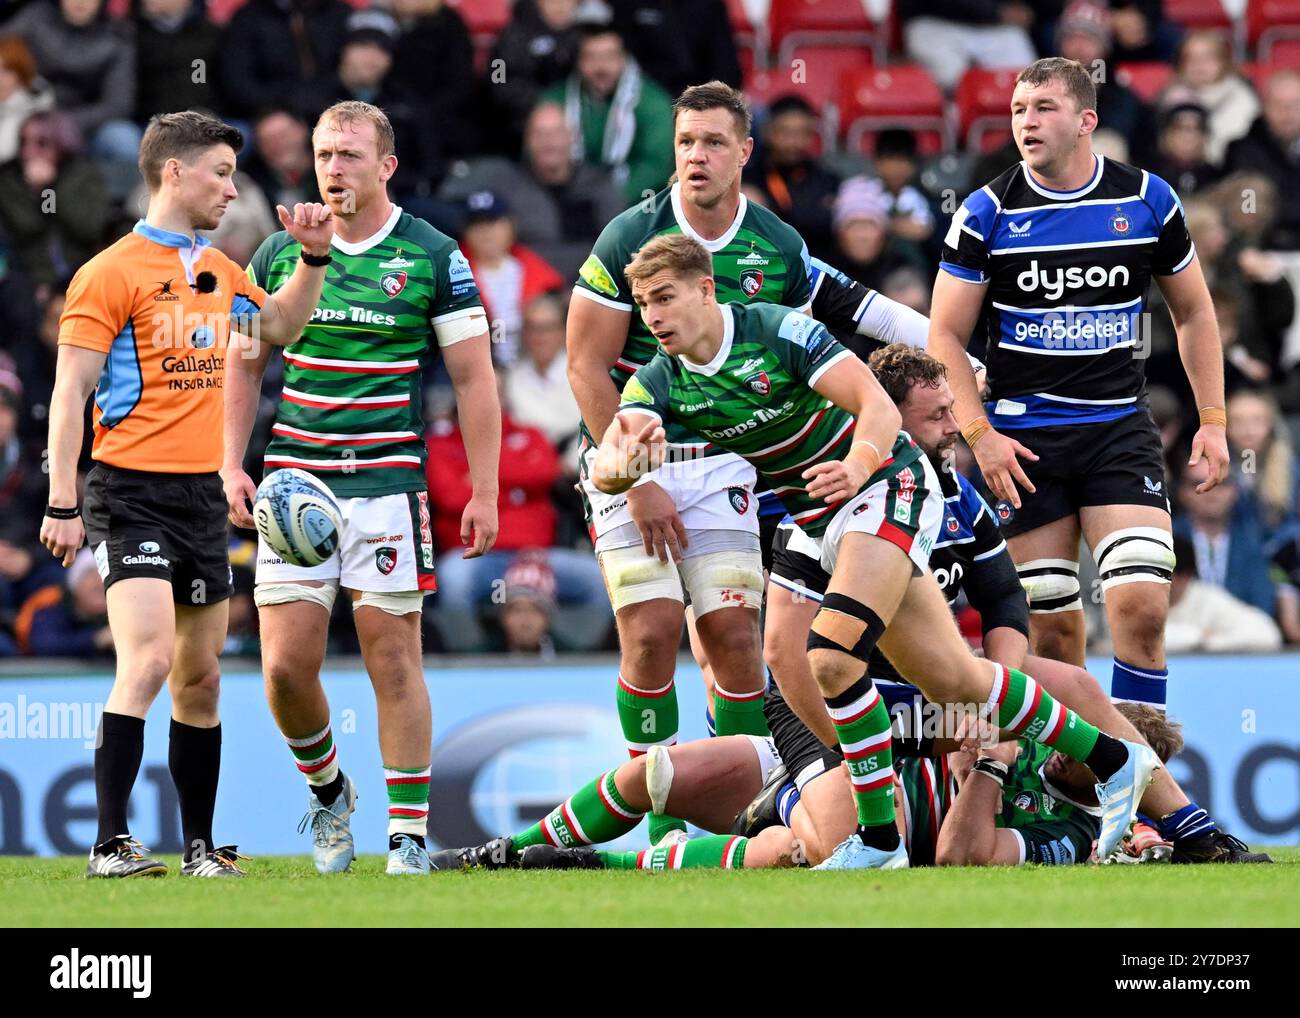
[633, 445]
[288, 310]
[1201, 351]
[849, 384]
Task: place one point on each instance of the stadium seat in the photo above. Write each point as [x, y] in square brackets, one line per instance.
[751, 38]
[900, 96]
[1258, 74]
[1284, 52]
[483, 18]
[822, 70]
[1269, 22]
[1147, 80]
[764, 87]
[794, 23]
[984, 107]
[1198, 14]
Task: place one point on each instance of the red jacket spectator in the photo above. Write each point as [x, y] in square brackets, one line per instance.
[529, 466]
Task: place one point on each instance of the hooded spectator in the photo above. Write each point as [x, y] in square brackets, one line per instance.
[865, 249]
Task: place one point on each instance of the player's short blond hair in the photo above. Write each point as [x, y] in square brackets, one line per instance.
[1163, 735]
[354, 110]
[670, 252]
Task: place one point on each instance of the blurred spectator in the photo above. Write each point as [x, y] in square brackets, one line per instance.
[1167, 414]
[865, 250]
[537, 391]
[22, 93]
[365, 73]
[1241, 368]
[526, 608]
[1204, 73]
[1204, 618]
[536, 50]
[282, 53]
[178, 53]
[51, 176]
[35, 350]
[434, 63]
[785, 175]
[508, 274]
[560, 204]
[680, 42]
[1262, 457]
[69, 620]
[1226, 533]
[897, 165]
[89, 61]
[620, 120]
[1284, 559]
[1181, 145]
[909, 286]
[281, 161]
[1141, 31]
[1272, 147]
[1084, 34]
[22, 481]
[242, 639]
[949, 36]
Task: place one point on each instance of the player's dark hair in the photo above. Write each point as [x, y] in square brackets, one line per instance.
[714, 95]
[670, 252]
[181, 136]
[1162, 733]
[1078, 83]
[898, 367]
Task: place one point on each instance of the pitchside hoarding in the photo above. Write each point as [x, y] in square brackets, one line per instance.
[511, 741]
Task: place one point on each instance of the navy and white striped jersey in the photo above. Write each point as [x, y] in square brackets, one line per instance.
[1068, 275]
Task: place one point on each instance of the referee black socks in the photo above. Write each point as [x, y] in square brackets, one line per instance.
[118, 752]
[194, 758]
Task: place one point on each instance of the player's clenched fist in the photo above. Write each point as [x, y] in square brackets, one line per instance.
[63, 538]
[311, 224]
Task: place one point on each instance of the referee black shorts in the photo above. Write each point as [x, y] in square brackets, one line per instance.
[164, 526]
[1117, 462]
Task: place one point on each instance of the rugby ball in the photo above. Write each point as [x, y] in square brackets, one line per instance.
[297, 516]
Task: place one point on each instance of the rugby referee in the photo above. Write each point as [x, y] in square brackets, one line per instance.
[146, 328]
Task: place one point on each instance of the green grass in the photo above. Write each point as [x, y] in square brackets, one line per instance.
[285, 891]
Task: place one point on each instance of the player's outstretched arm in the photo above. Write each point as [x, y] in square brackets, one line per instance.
[288, 310]
[954, 313]
[633, 445]
[75, 376]
[469, 362]
[850, 385]
[1201, 350]
[245, 364]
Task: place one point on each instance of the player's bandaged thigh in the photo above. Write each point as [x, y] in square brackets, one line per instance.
[266, 594]
[765, 750]
[1135, 555]
[632, 576]
[1051, 585]
[724, 579]
[846, 625]
[400, 602]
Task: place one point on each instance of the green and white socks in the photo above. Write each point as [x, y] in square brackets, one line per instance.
[649, 718]
[595, 813]
[715, 851]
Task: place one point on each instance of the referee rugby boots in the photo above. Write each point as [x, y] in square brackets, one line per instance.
[123, 856]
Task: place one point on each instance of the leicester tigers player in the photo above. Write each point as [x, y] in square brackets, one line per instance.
[871, 499]
[397, 294]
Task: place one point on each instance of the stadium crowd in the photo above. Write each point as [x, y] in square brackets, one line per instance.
[522, 139]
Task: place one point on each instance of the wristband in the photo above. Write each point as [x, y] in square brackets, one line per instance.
[55, 512]
[316, 261]
[991, 769]
[1214, 415]
[975, 430]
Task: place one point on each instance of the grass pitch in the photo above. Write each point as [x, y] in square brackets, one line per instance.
[279, 891]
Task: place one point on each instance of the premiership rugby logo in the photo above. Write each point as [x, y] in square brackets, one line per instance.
[1120, 224]
[393, 283]
[759, 383]
[739, 500]
[751, 281]
[385, 560]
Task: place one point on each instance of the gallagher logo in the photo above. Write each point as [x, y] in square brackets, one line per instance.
[1120, 224]
[393, 283]
[386, 560]
[759, 383]
[739, 498]
[751, 281]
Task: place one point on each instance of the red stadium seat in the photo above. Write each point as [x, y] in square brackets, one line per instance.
[900, 96]
[1269, 22]
[794, 23]
[1258, 74]
[751, 39]
[984, 107]
[1285, 52]
[483, 18]
[1197, 14]
[816, 72]
[1147, 80]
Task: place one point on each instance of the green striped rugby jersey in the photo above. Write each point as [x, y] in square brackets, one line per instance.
[352, 408]
[1028, 798]
[756, 399]
[759, 259]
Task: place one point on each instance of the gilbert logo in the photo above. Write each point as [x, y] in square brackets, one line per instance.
[74, 971]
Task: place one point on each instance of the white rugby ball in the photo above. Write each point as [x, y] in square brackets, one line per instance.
[297, 516]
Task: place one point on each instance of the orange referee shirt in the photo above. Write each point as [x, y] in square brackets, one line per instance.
[159, 405]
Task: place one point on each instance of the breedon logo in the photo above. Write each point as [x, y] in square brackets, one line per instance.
[1054, 282]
